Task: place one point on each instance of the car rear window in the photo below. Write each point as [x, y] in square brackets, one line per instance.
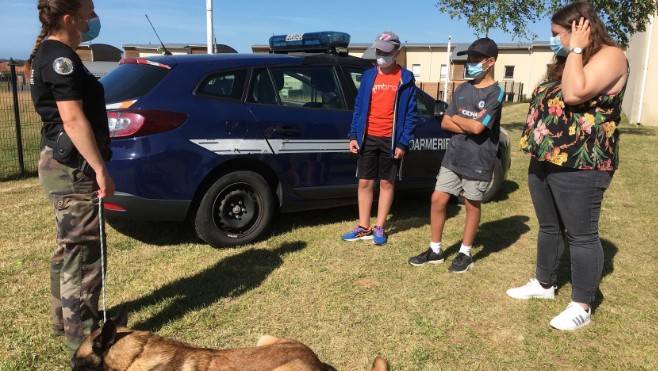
[131, 81]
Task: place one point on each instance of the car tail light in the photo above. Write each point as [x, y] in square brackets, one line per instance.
[136, 123]
[109, 206]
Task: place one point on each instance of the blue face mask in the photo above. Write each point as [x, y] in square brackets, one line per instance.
[558, 48]
[94, 29]
[475, 70]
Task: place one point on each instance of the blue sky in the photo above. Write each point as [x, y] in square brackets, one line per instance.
[241, 24]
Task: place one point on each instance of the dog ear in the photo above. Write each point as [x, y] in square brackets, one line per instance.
[105, 339]
[122, 318]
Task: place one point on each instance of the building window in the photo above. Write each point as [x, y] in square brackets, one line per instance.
[444, 71]
[416, 70]
[466, 75]
[509, 72]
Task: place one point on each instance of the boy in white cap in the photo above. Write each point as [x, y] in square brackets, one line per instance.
[474, 118]
[382, 126]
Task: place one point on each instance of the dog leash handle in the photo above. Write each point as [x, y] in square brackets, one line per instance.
[101, 222]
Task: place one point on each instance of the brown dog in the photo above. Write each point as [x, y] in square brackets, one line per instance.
[116, 347]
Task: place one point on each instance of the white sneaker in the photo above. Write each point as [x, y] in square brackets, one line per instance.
[532, 290]
[572, 318]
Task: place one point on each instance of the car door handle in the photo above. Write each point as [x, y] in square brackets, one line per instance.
[287, 131]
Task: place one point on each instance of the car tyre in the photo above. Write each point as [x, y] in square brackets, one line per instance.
[494, 185]
[235, 210]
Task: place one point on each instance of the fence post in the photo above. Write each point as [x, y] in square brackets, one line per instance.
[17, 117]
[520, 91]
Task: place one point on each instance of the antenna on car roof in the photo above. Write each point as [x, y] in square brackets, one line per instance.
[166, 52]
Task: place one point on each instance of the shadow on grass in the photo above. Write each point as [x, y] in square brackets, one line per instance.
[230, 277]
[495, 236]
[637, 130]
[514, 126]
[412, 210]
[564, 268]
[407, 207]
[157, 233]
[16, 175]
[508, 187]
[409, 210]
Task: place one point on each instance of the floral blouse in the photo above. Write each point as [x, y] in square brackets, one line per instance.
[583, 136]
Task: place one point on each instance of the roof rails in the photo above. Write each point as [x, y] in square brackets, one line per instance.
[331, 42]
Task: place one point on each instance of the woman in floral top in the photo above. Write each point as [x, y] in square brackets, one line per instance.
[571, 134]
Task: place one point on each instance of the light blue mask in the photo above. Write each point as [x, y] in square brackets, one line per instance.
[558, 48]
[475, 70]
[94, 29]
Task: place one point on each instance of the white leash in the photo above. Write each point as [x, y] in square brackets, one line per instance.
[102, 232]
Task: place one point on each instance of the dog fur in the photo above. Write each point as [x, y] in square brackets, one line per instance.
[118, 348]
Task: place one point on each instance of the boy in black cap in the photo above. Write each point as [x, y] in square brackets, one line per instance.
[474, 117]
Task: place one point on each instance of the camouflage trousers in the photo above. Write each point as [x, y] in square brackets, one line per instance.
[75, 273]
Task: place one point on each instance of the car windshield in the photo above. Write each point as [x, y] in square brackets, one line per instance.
[131, 81]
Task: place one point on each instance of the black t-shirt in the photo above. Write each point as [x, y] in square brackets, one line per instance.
[59, 75]
[470, 155]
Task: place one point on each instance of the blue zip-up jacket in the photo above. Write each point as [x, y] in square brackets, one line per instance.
[404, 114]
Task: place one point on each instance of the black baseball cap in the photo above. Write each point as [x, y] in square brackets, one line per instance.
[482, 47]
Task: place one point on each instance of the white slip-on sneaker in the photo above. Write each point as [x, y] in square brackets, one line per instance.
[572, 318]
[532, 290]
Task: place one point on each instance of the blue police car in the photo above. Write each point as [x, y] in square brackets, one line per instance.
[229, 140]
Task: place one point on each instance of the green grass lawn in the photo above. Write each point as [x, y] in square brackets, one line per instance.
[352, 301]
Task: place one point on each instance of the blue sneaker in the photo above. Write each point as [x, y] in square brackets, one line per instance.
[358, 233]
[379, 236]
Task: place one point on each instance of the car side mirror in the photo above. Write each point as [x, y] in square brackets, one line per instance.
[440, 108]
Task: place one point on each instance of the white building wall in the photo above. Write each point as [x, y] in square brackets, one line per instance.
[515, 60]
[539, 59]
[529, 64]
[430, 60]
[642, 91]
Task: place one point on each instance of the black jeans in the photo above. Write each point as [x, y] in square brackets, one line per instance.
[568, 201]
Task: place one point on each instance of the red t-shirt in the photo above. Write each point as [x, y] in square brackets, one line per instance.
[382, 102]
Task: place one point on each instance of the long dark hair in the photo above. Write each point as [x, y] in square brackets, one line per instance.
[50, 15]
[597, 39]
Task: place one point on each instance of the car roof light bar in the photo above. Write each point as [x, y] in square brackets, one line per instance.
[332, 42]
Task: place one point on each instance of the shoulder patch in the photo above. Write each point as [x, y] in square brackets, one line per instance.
[63, 66]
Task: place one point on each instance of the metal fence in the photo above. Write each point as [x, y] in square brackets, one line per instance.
[20, 127]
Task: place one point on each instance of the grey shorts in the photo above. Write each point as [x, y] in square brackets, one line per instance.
[450, 182]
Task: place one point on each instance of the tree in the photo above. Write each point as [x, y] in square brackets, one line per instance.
[511, 16]
[623, 18]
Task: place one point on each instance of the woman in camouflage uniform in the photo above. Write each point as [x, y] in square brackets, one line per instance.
[72, 170]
